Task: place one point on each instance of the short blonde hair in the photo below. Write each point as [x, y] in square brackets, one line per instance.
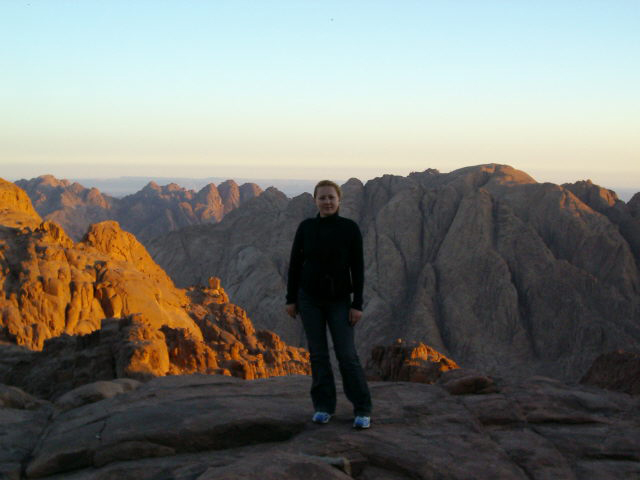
[327, 183]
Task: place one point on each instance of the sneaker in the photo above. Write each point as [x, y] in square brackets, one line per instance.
[361, 422]
[321, 417]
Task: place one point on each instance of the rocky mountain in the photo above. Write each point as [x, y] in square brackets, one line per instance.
[626, 216]
[70, 205]
[16, 209]
[102, 392]
[196, 427]
[153, 211]
[486, 265]
[106, 308]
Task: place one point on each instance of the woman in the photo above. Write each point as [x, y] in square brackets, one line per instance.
[326, 267]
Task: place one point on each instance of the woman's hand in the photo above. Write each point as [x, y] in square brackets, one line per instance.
[291, 309]
[354, 316]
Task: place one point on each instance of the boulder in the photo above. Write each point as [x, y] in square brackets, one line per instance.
[617, 370]
[466, 382]
[414, 362]
[94, 392]
[13, 397]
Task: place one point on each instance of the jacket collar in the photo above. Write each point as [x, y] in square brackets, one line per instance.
[328, 219]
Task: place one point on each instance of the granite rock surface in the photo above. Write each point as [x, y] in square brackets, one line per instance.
[199, 427]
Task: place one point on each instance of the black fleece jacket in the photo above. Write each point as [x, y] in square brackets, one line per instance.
[327, 260]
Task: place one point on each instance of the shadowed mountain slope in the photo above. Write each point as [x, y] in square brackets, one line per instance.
[486, 265]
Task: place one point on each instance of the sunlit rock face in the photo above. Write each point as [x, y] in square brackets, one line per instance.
[53, 286]
[154, 210]
[415, 362]
[221, 341]
[16, 209]
[106, 308]
[484, 264]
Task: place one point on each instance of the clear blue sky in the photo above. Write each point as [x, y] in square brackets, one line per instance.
[320, 88]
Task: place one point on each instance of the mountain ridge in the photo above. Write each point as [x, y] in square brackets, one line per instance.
[151, 211]
[486, 265]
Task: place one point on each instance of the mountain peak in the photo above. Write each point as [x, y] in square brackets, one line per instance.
[228, 183]
[152, 186]
[52, 181]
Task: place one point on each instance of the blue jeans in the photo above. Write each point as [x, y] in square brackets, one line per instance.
[316, 315]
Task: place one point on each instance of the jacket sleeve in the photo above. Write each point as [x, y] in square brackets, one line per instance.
[295, 267]
[357, 268]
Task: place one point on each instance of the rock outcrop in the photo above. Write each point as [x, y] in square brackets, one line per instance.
[617, 370]
[135, 347]
[105, 308]
[484, 264]
[625, 216]
[53, 286]
[16, 209]
[407, 363]
[214, 427]
[154, 210]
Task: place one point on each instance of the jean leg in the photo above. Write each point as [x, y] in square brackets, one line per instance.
[323, 387]
[353, 377]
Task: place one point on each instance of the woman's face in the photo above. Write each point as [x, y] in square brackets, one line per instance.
[327, 201]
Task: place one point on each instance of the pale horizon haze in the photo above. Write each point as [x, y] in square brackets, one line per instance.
[310, 89]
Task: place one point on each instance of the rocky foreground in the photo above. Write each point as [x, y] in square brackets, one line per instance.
[215, 427]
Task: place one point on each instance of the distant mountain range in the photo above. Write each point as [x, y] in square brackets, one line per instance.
[150, 212]
[122, 186]
[126, 185]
